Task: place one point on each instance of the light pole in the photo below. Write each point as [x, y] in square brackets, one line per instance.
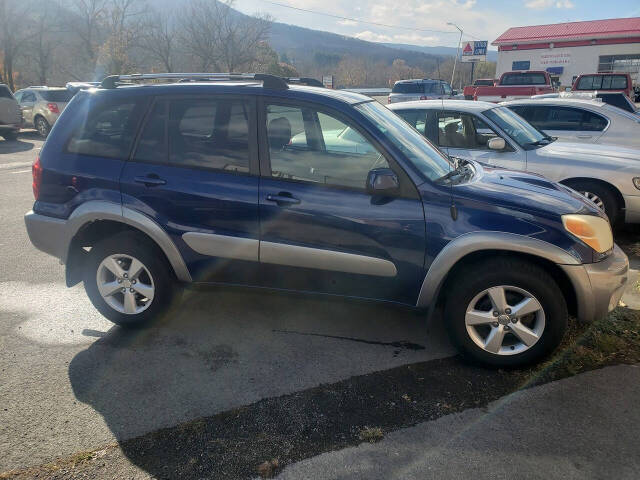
[455, 61]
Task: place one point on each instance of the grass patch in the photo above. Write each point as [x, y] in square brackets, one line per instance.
[371, 434]
[612, 340]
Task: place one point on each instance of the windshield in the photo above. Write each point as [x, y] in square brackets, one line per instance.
[56, 95]
[521, 131]
[424, 156]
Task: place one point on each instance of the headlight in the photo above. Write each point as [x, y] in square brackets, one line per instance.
[592, 230]
[636, 182]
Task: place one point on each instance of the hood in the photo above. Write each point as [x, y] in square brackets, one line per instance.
[524, 192]
[589, 152]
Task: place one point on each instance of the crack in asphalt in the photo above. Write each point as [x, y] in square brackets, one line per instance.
[398, 344]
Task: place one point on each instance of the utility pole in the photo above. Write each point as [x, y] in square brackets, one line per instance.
[455, 61]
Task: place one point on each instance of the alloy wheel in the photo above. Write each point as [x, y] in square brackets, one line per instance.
[505, 320]
[594, 198]
[125, 284]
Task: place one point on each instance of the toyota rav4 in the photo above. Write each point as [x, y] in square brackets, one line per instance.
[256, 181]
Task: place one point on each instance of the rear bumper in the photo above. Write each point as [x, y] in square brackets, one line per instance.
[632, 208]
[47, 234]
[599, 286]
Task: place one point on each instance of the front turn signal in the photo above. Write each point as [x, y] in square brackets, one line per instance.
[592, 230]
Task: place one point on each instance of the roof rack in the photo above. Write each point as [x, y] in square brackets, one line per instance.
[268, 81]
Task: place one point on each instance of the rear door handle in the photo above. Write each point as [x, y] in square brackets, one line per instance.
[283, 198]
[150, 180]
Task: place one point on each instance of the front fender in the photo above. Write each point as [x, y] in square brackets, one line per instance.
[472, 242]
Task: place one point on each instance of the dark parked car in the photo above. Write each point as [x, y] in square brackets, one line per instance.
[141, 188]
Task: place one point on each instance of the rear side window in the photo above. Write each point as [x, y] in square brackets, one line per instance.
[152, 146]
[62, 96]
[5, 92]
[524, 79]
[107, 129]
[563, 118]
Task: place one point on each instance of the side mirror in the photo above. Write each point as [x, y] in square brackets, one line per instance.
[454, 92]
[382, 181]
[496, 143]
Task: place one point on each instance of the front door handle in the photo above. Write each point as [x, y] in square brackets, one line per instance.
[151, 180]
[283, 199]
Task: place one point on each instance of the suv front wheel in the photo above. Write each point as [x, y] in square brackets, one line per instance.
[128, 280]
[505, 312]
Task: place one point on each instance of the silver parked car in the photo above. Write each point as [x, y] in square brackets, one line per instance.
[493, 134]
[420, 89]
[577, 120]
[10, 119]
[41, 106]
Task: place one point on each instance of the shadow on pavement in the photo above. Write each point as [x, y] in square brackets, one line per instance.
[14, 146]
[226, 349]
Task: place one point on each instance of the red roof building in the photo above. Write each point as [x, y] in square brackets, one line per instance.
[569, 49]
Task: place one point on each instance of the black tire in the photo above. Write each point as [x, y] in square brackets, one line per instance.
[42, 126]
[475, 278]
[608, 197]
[10, 136]
[138, 246]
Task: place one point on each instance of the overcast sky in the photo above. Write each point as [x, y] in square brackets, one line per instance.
[483, 19]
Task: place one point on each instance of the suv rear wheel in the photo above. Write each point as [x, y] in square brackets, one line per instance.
[505, 312]
[128, 279]
[42, 126]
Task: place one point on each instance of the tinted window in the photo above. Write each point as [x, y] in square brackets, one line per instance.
[107, 130]
[483, 83]
[524, 79]
[28, 97]
[603, 82]
[462, 130]
[152, 146]
[56, 95]
[563, 118]
[408, 88]
[5, 92]
[209, 133]
[316, 147]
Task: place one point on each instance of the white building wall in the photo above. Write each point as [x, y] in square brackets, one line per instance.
[575, 60]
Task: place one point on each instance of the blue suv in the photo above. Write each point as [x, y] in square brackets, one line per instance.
[255, 180]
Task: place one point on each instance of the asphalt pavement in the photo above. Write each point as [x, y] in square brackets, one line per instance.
[72, 382]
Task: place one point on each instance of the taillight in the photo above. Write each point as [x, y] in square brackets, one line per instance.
[423, 97]
[53, 107]
[388, 99]
[36, 171]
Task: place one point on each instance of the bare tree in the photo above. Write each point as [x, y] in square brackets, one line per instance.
[160, 40]
[14, 31]
[123, 27]
[221, 38]
[41, 48]
[88, 27]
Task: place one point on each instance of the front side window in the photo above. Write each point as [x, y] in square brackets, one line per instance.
[426, 158]
[447, 89]
[314, 146]
[463, 130]
[107, 129]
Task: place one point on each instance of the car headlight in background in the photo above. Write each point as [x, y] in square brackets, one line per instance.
[592, 230]
[636, 182]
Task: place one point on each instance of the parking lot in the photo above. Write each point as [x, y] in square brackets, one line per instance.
[237, 378]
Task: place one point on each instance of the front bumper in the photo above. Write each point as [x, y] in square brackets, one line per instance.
[599, 286]
[632, 208]
[48, 234]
